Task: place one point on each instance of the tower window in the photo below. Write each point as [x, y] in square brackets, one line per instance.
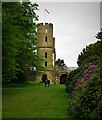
[46, 30]
[45, 64]
[45, 38]
[46, 55]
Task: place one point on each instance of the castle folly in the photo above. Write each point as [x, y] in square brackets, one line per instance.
[46, 49]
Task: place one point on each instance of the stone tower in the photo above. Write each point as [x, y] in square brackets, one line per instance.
[46, 49]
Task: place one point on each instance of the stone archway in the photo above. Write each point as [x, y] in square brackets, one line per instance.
[63, 78]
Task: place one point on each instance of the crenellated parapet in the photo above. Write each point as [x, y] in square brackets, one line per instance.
[45, 24]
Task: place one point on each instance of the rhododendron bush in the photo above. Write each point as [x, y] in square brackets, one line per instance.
[85, 87]
[86, 98]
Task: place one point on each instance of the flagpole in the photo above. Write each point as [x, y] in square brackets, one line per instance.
[45, 14]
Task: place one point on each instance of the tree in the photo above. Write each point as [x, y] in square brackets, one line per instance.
[19, 41]
[9, 39]
[27, 54]
[89, 54]
[99, 36]
[60, 63]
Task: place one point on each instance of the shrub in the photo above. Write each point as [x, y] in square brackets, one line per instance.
[85, 84]
[86, 100]
[70, 81]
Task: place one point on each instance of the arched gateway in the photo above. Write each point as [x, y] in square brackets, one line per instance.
[61, 75]
[63, 78]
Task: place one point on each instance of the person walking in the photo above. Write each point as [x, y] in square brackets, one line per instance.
[48, 82]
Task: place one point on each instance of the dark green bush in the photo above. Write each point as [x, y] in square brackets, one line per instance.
[86, 101]
[70, 83]
[85, 85]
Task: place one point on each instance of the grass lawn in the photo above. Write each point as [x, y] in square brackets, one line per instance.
[35, 101]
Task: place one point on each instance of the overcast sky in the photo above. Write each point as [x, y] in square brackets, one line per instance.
[75, 25]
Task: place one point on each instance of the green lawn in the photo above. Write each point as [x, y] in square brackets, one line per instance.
[35, 101]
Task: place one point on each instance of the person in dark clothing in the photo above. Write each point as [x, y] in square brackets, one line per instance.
[48, 82]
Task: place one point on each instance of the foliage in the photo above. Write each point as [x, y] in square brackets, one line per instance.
[86, 98]
[70, 82]
[60, 63]
[99, 36]
[9, 40]
[85, 85]
[27, 55]
[19, 41]
[89, 54]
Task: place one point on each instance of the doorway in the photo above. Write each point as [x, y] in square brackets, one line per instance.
[63, 78]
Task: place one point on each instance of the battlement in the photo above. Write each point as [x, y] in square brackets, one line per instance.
[45, 24]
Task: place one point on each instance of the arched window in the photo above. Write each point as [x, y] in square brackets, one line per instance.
[45, 64]
[45, 38]
[46, 55]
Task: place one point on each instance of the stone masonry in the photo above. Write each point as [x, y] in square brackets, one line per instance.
[46, 49]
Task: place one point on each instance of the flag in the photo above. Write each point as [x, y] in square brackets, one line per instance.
[47, 11]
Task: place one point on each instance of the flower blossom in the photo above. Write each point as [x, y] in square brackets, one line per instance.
[82, 79]
[78, 81]
[85, 71]
[92, 67]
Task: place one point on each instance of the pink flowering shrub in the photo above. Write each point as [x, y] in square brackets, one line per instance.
[86, 73]
[85, 84]
[86, 98]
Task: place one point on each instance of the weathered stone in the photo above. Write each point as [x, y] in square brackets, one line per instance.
[46, 49]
